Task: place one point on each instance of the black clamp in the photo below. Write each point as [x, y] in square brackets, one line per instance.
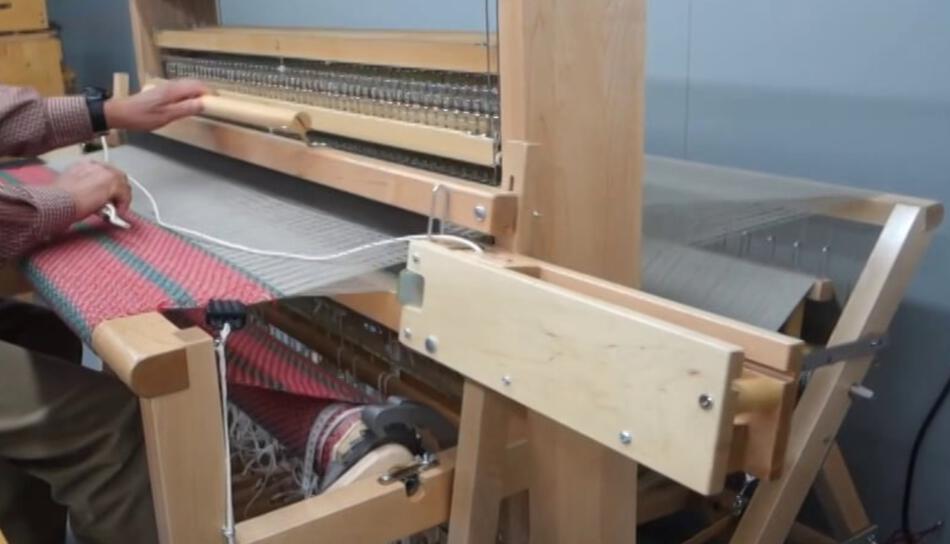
[226, 312]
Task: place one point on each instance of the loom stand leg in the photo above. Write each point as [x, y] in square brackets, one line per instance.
[184, 441]
[824, 404]
[478, 487]
[580, 491]
[839, 497]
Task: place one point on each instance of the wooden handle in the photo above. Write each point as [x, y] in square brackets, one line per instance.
[260, 115]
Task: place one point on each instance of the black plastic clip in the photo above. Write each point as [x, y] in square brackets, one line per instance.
[226, 312]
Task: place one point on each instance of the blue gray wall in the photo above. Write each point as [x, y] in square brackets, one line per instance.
[856, 92]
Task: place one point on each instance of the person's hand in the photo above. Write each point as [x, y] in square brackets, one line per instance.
[156, 107]
[93, 185]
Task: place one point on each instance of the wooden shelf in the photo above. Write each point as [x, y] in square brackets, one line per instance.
[452, 51]
[400, 186]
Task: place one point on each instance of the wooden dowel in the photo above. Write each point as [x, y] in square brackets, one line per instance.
[757, 394]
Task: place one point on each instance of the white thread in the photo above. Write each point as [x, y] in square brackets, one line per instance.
[282, 254]
[220, 346]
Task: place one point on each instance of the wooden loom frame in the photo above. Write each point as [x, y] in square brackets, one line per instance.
[172, 370]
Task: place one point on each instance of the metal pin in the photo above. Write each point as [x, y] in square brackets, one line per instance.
[862, 392]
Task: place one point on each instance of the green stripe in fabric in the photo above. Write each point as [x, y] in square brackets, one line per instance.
[173, 289]
[64, 306]
[9, 178]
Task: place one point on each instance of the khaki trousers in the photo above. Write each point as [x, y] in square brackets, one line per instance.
[70, 440]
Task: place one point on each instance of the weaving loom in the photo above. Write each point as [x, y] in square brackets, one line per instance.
[595, 373]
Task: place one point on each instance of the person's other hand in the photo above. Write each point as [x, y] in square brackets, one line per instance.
[93, 185]
[156, 107]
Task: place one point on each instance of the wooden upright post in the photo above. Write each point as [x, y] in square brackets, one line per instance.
[571, 75]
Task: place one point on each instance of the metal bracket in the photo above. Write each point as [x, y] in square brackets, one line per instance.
[410, 475]
[842, 352]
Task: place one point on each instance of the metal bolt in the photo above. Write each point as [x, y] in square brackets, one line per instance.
[416, 258]
[407, 333]
[536, 213]
[506, 379]
[432, 344]
[862, 392]
[480, 213]
[705, 402]
[877, 342]
[626, 438]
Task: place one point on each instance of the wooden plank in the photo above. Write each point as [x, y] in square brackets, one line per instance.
[462, 51]
[183, 431]
[32, 60]
[579, 491]
[403, 187]
[572, 89]
[437, 141]
[539, 344]
[839, 497]
[769, 349]
[478, 488]
[824, 404]
[369, 512]
[20, 15]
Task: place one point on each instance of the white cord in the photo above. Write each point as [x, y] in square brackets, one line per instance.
[282, 254]
[220, 349]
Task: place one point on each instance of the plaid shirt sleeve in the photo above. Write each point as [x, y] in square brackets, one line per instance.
[30, 125]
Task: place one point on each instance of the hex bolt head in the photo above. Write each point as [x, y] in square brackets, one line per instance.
[407, 333]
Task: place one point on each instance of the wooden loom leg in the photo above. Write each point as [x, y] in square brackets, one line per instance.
[823, 405]
[478, 488]
[580, 491]
[174, 374]
[839, 497]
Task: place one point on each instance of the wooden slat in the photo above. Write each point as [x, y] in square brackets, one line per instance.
[399, 186]
[766, 348]
[839, 497]
[369, 512]
[639, 375]
[437, 141]
[479, 483]
[824, 404]
[462, 51]
[572, 122]
[183, 431]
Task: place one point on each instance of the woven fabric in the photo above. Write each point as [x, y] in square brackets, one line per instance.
[287, 394]
[96, 273]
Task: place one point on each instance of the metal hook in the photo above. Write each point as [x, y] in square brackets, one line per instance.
[439, 188]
